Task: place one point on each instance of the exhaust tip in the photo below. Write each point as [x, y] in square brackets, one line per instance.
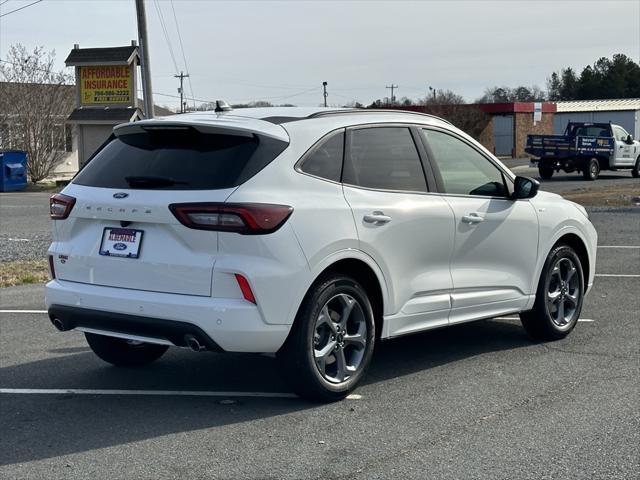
[59, 324]
[193, 343]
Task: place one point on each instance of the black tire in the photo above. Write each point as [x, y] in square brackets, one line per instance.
[591, 169]
[635, 173]
[123, 353]
[539, 322]
[297, 357]
[545, 171]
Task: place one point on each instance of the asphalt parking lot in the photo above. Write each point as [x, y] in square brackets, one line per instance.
[474, 401]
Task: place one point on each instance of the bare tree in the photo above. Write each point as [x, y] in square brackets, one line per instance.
[35, 102]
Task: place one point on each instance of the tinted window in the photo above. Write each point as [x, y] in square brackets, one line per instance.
[592, 131]
[384, 158]
[179, 160]
[325, 160]
[463, 169]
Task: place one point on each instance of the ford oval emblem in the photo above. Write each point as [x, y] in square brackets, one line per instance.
[120, 195]
[120, 246]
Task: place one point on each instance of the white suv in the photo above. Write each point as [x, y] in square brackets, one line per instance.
[310, 233]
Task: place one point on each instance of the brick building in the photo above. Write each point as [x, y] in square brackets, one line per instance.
[510, 123]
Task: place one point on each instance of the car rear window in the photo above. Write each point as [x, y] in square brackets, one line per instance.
[183, 159]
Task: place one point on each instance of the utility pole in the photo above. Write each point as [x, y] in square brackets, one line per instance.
[145, 67]
[325, 94]
[182, 76]
[392, 87]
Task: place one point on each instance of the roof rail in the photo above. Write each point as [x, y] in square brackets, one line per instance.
[373, 110]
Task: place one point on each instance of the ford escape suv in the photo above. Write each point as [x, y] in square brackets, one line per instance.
[309, 233]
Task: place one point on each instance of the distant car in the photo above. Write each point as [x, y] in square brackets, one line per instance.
[310, 233]
[585, 147]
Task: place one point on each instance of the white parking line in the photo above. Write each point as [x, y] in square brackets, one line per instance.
[619, 246]
[23, 311]
[616, 275]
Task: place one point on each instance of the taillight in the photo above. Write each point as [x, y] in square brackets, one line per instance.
[245, 288]
[60, 206]
[244, 218]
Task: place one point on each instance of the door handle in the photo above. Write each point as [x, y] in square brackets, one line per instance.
[472, 217]
[377, 218]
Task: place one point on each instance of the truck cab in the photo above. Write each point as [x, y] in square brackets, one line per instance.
[587, 148]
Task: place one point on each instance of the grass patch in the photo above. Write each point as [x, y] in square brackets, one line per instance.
[50, 187]
[626, 195]
[23, 272]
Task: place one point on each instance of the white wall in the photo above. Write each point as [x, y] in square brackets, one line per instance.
[628, 119]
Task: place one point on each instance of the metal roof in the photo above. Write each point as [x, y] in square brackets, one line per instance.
[599, 105]
[102, 56]
[108, 115]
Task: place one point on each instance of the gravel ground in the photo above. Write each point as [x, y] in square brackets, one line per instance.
[14, 248]
[25, 228]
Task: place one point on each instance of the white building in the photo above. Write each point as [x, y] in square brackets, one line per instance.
[624, 112]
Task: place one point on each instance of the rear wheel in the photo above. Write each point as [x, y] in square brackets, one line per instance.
[558, 297]
[332, 340]
[591, 169]
[636, 169]
[124, 353]
[545, 171]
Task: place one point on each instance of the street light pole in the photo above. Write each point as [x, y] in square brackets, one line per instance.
[145, 66]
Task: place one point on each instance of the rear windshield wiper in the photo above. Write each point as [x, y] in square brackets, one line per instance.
[152, 182]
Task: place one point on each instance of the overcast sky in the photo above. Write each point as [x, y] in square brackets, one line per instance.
[283, 51]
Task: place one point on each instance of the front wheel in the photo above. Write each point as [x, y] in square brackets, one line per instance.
[331, 342]
[636, 169]
[591, 169]
[124, 353]
[558, 297]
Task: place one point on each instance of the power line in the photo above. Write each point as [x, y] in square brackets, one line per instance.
[18, 9]
[261, 98]
[184, 57]
[166, 34]
[2, 3]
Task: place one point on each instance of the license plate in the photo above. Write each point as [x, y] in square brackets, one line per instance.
[121, 242]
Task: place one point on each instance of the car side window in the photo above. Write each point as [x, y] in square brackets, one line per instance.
[463, 169]
[384, 158]
[620, 134]
[325, 159]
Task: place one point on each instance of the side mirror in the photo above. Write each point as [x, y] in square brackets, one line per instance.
[525, 187]
[629, 140]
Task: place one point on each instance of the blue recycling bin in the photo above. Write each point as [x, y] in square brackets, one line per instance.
[13, 173]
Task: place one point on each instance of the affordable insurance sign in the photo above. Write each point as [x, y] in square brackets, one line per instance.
[106, 85]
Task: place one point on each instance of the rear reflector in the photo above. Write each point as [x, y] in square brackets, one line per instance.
[60, 206]
[52, 269]
[245, 288]
[244, 218]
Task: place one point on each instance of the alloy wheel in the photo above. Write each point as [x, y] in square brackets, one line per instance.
[563, 292]
[340, 338]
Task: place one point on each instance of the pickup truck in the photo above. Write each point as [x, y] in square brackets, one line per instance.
[587, 148]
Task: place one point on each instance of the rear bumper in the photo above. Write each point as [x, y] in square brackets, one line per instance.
[223, 324]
